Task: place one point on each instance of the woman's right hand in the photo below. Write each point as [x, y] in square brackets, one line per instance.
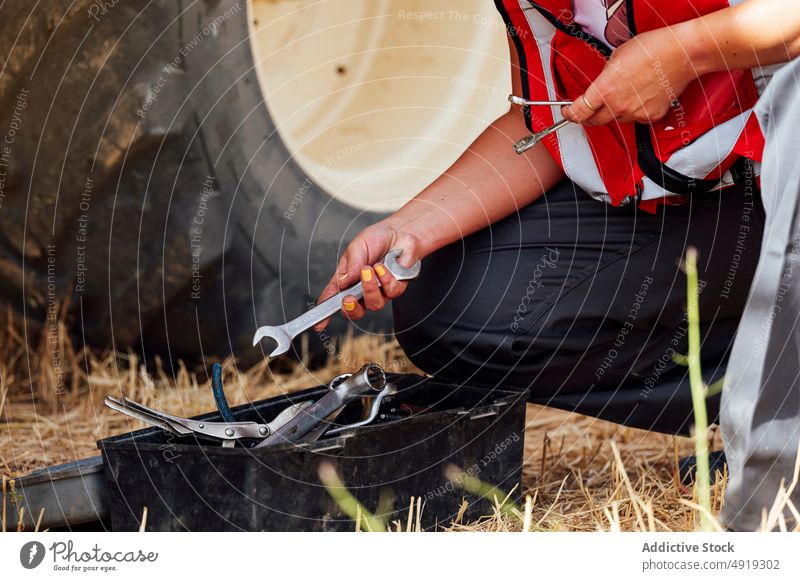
[362, 261]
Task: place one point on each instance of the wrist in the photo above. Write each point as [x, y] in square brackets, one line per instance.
[407, 223]
[395, 222]
[703, 54]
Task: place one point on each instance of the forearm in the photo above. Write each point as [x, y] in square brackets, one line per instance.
[487, 183]
[754, 33]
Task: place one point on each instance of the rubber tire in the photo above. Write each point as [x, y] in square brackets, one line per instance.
[146, 102]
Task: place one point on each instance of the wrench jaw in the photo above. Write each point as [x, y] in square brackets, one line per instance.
[398, 271]
[278, 335]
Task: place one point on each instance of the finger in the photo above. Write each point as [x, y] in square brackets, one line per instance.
[341, 279]
[346, 274]
[323, 297]
[326, 293]
[352, 309]
[409, 254]
[580, 111]
[373, 297]
[330, 289]
[390, 286]
[603, 116]
[335, 284]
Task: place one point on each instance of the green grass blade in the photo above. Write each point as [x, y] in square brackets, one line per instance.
[698, 388]
[347, 502]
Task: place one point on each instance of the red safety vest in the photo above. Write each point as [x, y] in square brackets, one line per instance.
[698, 147]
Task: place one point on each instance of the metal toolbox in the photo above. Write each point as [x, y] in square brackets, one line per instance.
[188, 485]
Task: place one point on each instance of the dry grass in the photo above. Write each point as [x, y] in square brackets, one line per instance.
[583, 474]
[580, 474]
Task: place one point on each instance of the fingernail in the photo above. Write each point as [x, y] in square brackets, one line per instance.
[366, 274]
[380, 270]
[341, 276]
[349, 306]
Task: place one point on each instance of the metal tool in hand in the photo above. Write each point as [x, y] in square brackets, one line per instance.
[527, 142]
[283, 334]
[523, 102]
[226, 432]
[369, 380]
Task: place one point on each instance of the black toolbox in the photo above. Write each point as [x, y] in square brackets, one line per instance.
[187, 484]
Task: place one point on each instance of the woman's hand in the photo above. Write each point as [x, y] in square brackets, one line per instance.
[648, 72]
[361, 260]
[639, 83]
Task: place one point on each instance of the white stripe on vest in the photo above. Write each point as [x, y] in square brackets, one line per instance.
[576, 155]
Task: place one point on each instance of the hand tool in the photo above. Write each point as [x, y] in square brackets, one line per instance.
[315, 421]
[524, 144]
[374, 408]
[226, 432]
[283, 334]
[523, 102]
[370, 379]
[529, 141]
[318, 431]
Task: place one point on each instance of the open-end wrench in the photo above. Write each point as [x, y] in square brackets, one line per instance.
[529, 141]
[283, 334]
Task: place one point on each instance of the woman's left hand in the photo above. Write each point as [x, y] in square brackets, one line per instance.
[639, 83]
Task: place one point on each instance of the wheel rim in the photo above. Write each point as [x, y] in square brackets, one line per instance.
[376, 98]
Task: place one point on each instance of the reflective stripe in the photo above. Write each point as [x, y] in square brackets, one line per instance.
[579, 163]
[652, 191]
[543, 33]
[704, 154]
[576, 155]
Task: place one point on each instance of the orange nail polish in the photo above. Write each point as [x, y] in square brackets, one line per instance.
[380, 270]
[366, 274]
[348, 306]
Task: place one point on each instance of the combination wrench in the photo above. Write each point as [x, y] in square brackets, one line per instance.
[283, 334]
[369, 380]
[527, 142]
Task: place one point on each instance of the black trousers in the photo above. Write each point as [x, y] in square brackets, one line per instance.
[584, 303]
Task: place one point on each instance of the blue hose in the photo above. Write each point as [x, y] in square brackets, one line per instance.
[219, 394]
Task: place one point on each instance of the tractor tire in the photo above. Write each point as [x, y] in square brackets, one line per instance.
[145, 193]
[156, 187]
